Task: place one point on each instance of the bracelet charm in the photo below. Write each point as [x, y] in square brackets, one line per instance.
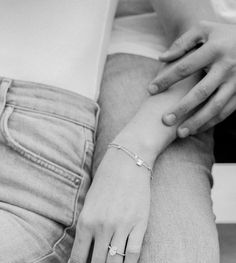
[138, 160]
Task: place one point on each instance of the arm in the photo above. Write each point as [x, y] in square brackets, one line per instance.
[117, 204]
[146, 134]
[116, 208]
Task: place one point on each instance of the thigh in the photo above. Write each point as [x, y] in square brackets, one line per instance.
[26, 236]
[40, 204]
[46, 146]
[182, 225]
[181, 203]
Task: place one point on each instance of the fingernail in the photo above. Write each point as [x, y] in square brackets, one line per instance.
[153, 88]
[170, 119]
[183, 132]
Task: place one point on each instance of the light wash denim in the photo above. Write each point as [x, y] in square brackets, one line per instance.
[182, 224]
[47, 138]
[46, 148]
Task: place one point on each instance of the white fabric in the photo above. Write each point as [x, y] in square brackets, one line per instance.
[139, 34]
[57, 42]
[225, 9]
[64, 43]
[143, 35]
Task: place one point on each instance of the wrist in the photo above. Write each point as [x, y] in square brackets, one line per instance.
[139, 144]
[139, 161]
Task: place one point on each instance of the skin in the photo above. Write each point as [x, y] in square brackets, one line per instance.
[116, 208]
[213, 99]
[121, 189]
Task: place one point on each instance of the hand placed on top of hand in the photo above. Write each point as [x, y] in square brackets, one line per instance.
[210, 46]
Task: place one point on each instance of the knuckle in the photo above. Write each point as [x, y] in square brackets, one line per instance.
[218, 119]
[134, 251]
[110, 223]
[183, 69]
[202, 93]
[126, 222]
[217, 106]
[183, 109]
[163, 83]
[102, 226]
[229, 63]
[222, 116]
[217, 47]
[194, 125]
[86, 223]
[107, 224]
[99, 226]
[178, 44]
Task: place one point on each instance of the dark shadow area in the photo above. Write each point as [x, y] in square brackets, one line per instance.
[227, 236]
[225, 141]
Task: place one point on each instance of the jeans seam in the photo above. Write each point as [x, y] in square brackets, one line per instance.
[31, 156]
[4, 86]
[53, 250]
[85, 149]
[53, 115]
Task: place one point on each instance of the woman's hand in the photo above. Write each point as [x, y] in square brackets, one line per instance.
[214, 98]
[115, 212]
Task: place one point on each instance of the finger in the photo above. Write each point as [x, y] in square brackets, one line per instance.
[207, 112]
[182, 45]
[81, 247]
[195, 61]
[101, 245]
[196, 95]
[226, 112]
[118, 241]
[134, 245]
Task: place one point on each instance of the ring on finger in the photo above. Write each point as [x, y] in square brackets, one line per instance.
[114, 251]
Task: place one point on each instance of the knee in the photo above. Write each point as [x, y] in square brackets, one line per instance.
[203, 246]
[181, 243]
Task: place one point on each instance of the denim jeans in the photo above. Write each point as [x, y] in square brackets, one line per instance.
[182, 224]
[46, 148]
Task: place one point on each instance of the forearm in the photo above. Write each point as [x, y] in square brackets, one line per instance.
[177, 16]
[145, 134]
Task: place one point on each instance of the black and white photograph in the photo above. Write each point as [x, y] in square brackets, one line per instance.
[117, 131]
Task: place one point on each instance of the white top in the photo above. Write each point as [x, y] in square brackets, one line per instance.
[57, 42]
[64, 43]
[143, 35]
[139, 34]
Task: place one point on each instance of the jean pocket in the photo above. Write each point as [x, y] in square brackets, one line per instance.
[52, 153]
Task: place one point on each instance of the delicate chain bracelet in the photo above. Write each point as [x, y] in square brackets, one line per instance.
[139, 161]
